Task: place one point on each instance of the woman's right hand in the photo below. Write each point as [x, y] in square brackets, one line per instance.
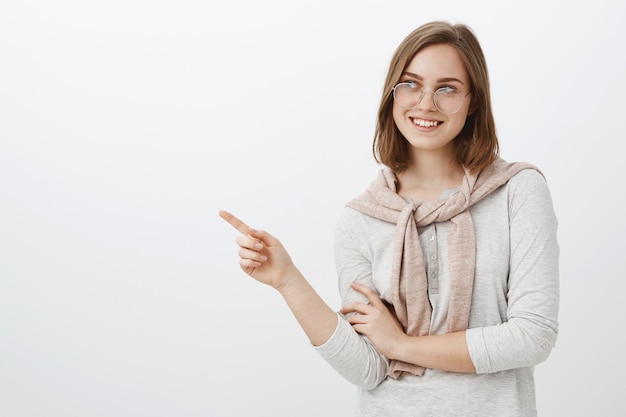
[262, 256]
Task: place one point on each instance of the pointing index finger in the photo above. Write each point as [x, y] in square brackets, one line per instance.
[235, 222]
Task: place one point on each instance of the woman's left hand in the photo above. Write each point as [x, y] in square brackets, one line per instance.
[376, 321]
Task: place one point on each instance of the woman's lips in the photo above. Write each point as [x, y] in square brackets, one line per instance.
[424, 122]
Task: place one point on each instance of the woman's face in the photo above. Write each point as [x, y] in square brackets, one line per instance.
[424, 126]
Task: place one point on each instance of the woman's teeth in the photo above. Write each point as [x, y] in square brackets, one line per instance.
[425, 123]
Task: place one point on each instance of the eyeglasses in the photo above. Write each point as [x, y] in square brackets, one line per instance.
[447, 100]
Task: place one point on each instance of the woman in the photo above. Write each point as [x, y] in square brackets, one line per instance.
[447, 263]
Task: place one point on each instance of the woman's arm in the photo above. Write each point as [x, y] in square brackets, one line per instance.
[530, 330]
[350, 354]
[447, 352]
[265, 259]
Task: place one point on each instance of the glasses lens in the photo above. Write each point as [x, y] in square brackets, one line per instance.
[407, 95]
[448, 100]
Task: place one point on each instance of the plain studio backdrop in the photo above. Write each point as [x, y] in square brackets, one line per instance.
[126, 125]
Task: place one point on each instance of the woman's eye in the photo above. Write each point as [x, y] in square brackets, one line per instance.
[413, 86]
[447, 89]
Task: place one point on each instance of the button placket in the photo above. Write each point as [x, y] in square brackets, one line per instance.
[433, 263]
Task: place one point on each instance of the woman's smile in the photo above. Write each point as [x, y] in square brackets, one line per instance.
[427, 124]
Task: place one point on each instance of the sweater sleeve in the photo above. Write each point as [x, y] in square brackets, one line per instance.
[349, 353]
[529, 333]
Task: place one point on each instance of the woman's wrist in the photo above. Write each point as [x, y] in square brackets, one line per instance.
[401, 348]
[290, 281]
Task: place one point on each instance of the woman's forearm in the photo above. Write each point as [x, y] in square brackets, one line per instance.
[447, 352]
[315, 317]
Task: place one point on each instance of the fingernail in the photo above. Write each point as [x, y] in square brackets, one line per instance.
[259, 246]
[263, 258]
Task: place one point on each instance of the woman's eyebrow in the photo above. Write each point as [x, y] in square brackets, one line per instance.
[440, 80]
[450, 79]
[410, 74]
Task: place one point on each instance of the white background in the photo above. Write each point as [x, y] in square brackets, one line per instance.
[126, 125]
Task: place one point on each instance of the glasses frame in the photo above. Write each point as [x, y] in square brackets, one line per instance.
[423, 93]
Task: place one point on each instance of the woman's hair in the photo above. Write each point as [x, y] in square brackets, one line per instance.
[477, 143]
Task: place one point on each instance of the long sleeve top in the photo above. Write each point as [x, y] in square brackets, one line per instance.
[513, 319]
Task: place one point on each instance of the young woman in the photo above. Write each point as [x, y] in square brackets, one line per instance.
[447, 263]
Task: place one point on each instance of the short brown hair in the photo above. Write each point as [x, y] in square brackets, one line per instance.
[477, 143]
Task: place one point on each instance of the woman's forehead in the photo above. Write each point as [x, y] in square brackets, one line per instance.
[439, 62]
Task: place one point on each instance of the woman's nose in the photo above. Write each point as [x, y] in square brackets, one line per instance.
[427, 101]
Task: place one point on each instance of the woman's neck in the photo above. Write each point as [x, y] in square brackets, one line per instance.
[428, 176]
